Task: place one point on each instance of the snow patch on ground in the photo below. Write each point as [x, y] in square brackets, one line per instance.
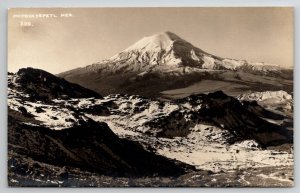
[213, 154]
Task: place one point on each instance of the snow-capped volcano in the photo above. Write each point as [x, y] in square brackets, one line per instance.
[167, 52]
[165, 61]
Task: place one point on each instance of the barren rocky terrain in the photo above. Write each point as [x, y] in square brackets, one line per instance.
[60, 137]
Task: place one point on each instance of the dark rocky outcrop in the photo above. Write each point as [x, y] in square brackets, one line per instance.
[41, 85]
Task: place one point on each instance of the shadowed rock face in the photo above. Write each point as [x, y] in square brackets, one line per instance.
[45, 86]
[91, 146]
[244, 120]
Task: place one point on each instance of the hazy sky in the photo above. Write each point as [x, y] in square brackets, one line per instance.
[83, 36]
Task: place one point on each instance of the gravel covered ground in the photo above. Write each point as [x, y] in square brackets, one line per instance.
[26, 172]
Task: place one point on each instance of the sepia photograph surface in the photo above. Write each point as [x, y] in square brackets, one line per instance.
[150, 97]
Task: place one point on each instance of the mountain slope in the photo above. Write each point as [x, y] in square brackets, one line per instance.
[91, 146]
[44, 129]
